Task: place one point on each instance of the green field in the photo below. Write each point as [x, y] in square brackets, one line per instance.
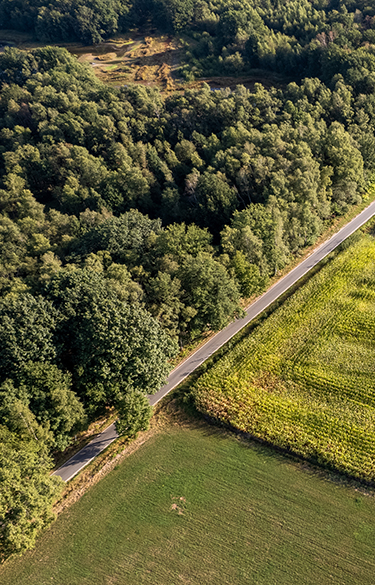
[194, 505]
[304, 379]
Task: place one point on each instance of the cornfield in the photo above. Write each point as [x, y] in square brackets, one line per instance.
[304, 380]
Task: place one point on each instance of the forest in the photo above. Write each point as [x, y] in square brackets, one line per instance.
[132, 223]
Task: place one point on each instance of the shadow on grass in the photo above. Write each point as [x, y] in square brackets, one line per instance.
[309, 464]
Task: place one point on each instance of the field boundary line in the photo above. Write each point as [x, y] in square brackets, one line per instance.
[225, 335]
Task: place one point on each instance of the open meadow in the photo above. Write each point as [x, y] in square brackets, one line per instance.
[196, 505]
[304, 380]
[150, 59]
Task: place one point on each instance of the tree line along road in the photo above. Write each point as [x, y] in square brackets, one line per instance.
[97, 445]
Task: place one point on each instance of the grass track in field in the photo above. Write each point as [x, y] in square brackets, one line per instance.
[248, 516]
[305, 378]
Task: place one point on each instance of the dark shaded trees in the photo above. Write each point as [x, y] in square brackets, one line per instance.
[27, 328]
[106, 344]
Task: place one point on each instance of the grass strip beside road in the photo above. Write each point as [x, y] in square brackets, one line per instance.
[197, 505]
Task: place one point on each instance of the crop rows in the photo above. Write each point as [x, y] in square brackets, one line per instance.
[304, 379]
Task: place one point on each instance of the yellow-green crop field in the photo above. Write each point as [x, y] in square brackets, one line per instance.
[304, 379]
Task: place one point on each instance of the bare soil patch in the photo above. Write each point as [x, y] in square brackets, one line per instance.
[148, 60]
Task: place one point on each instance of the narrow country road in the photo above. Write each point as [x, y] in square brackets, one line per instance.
[88, 453]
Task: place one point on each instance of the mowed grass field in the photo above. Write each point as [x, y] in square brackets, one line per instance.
[304, 379]
[197, 506]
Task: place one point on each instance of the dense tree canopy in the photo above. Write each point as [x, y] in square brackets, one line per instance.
[107, 344]
[27, 326]
[88, 171]
[299, 37]
[26, 492]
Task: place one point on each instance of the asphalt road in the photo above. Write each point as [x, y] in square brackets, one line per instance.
[69, 469]
[88, 453]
